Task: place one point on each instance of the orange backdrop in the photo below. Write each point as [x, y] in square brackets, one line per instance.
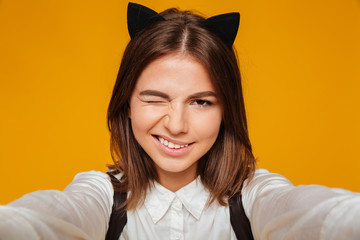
[300, 62]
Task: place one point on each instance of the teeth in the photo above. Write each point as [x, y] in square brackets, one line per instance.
[170, 144]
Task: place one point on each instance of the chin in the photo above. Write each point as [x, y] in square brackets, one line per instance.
[176, 168]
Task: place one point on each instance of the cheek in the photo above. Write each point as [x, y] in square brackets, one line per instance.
[143, 119]
[208, 125]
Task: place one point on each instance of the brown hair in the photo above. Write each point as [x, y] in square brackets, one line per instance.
[230, 161]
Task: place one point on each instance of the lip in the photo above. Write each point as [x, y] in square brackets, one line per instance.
[172, 140]
[174, 152]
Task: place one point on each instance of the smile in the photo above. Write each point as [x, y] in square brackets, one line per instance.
[173, 148]
[171, 144]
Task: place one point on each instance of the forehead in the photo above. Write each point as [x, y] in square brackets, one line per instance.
[175, 72]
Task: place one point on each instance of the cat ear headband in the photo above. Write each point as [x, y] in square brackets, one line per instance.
[225, 26]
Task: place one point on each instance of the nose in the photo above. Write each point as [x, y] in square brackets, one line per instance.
[176, 121]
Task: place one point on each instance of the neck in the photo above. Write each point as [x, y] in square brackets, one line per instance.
[175, 181]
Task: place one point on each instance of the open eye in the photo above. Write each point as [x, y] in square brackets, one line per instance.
[201, 102]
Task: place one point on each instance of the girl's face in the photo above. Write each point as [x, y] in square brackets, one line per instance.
[175, 115]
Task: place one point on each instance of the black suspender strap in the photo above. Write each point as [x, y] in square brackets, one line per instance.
[239, 222]
[118, 218]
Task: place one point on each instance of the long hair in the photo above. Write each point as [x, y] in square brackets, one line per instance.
[230, 161]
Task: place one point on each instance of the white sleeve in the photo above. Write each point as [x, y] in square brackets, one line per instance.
[278, 210]
[81, 211]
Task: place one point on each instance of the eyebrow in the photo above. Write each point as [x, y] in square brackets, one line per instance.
[154, 93]
[164, 95]
[202, 94]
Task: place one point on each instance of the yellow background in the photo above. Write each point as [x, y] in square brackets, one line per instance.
[300, 62]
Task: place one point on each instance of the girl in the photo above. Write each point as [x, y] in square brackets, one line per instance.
[183, 164]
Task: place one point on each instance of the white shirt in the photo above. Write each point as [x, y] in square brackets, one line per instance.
[180, 215]
[276, 210]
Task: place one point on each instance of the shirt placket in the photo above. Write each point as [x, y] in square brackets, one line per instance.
[177, 220]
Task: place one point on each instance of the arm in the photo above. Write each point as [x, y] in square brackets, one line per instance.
[81, 211]
[278, 210]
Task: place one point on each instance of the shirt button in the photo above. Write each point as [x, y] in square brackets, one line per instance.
[178, 236]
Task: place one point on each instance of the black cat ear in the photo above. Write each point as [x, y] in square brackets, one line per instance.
[139, 17]
[225, 26]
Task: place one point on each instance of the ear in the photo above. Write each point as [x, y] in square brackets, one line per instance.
[140, 17]
[225, 26]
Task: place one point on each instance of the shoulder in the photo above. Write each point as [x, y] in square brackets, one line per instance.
[264, 180]
[91, 182]
[94, 185]
[92, 175]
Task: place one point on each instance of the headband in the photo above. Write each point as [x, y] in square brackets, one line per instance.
[225, 26]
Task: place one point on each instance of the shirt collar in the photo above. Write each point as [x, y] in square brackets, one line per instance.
[193, 196]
